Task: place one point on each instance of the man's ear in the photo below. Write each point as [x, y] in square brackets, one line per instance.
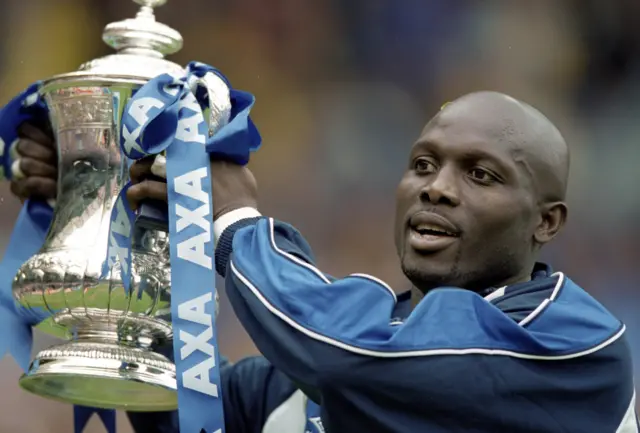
[553, 216]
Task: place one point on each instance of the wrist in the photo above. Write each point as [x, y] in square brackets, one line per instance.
[231, 205]
[224, 229]
[224, 219]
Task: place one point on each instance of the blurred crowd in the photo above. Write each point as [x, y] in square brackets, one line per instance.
[344, 87]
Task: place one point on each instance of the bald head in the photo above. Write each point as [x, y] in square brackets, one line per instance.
[534, 142]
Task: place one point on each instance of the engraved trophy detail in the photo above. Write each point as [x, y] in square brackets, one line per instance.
[112, 358]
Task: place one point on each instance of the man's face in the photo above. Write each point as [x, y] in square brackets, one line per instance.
[466, 211]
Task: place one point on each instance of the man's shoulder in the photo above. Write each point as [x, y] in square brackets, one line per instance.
[560, 315]
[574, 313]
[546, 318]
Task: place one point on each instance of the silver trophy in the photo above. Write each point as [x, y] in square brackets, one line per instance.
[112, 355]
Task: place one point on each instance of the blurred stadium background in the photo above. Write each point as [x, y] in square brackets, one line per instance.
[343, 88]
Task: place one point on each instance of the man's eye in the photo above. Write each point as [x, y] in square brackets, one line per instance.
[482, 175]
[423, 165]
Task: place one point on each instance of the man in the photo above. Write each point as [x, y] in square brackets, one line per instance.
[496, 343]
[513, 348]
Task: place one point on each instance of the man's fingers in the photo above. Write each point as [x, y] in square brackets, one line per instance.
[30, 131]
[146, 189]
[144, 183]
[34, 187]
[141, 169]
[29, 148]
[33, 167]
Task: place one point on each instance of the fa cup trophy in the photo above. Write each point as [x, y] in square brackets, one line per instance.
[111, 357]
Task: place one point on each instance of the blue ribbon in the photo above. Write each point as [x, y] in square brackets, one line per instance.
[82, 415]
[27, 236]
[168, 115]
[26, 240]
[119, 252]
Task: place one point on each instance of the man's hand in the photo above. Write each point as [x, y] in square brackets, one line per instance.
[233, 186]
[35, 168]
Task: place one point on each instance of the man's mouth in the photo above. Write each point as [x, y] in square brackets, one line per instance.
[430, 232]
[433, 230]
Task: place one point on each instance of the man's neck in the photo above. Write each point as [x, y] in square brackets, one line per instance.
[417, 294]
[416, 297]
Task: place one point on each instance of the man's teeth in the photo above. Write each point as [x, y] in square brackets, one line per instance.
[426, 229]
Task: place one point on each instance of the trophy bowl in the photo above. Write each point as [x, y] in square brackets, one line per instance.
[113, 356]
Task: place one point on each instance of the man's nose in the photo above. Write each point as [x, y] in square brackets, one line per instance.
[441, 188]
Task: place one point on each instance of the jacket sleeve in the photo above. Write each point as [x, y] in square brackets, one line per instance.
[289, 307]
[251, 390]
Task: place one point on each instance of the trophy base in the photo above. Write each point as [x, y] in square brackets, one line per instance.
[105, 376]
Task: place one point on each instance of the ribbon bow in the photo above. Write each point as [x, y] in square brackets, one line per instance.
[188, 118]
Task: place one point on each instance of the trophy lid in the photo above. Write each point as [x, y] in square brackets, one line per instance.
[140, 43]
